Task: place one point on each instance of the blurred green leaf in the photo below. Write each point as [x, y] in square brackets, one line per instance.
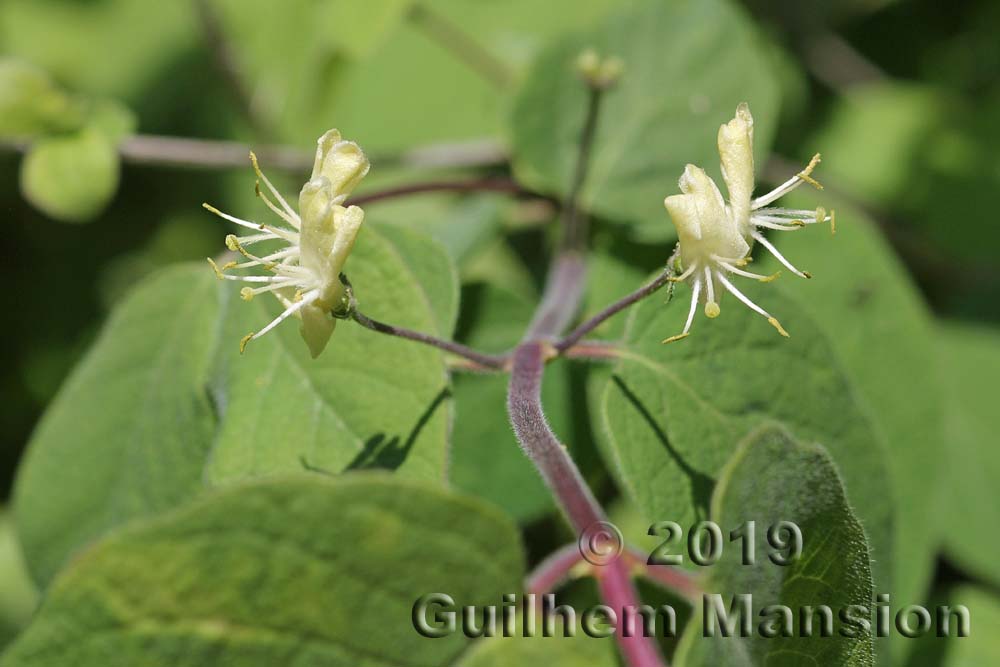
[113, 119]
[687, 66]
[128, 433]
[875, 134]
[463, 225]
[31, 103]
[877, 322]
[300, 570]
[343, 63]
[576, 651]
[71, 177]
[74, 40]
[19, 595]
[673, 414]
[369, 401]
[971, 512]
[363, 26]
[770, 479]
[982, 646]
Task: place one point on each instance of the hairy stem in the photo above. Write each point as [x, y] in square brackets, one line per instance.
[573, 337]
[593, 350]
[553, 570]
[671, 578]
[490, 361]
[572, 494]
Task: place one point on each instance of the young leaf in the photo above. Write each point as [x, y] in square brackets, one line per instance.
[71, 177]
[770, 479]
[673, 413]
[687, 66]
[297, 570]
[31, 103]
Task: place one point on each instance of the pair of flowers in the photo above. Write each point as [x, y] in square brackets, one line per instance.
[715, 236]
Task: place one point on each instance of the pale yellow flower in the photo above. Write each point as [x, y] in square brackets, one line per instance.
[715, 237]
[305, 273]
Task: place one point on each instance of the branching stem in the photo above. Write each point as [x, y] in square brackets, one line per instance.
[573, 337]
[560, 300]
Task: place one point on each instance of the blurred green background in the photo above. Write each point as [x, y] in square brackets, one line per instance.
[902, 97]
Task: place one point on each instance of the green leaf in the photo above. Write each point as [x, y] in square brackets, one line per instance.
[31, 103]
[982, 646]
[673, 414]
[879, 326]
[772, 478]
[71, 177]
[687, 66]
[430, 266]
[128, 433]
[463, 225]
[370, 400]
[300, 570]
[577, 651]
[970, 512]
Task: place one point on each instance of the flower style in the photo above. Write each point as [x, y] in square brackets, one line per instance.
[715, 238]
[305, 272]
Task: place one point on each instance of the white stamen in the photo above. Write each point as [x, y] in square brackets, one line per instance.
[776, 193]
[257, 238]
[231, 218]
[687, 273]
[793, 213]
[271, 288]
[709, 285]
[284, 204]
[757, 222]
[742, 297]
[746, 274]
[777, 255]
[695, 293]
[256, 279]
[293, 221]
[307, 298]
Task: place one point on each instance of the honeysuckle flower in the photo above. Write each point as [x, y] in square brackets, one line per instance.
[715, 237]
[305, 271]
